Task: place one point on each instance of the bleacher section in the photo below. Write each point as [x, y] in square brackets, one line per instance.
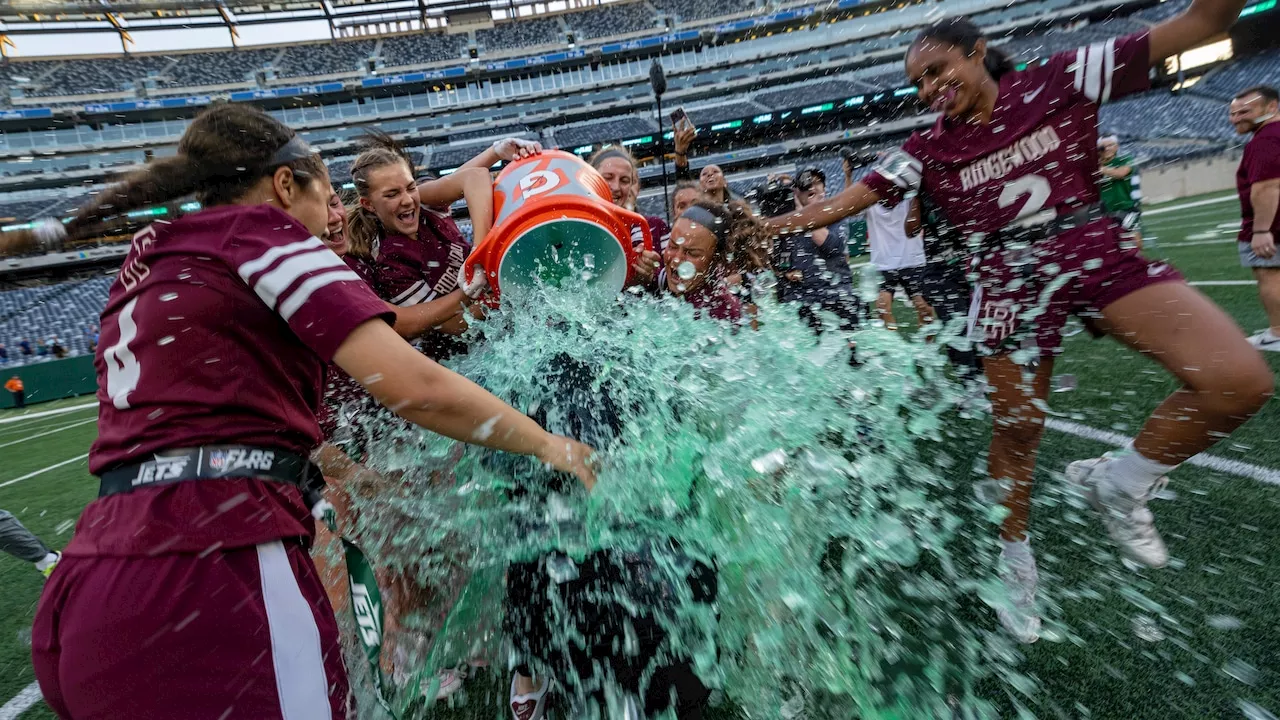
[217, 68]
[809, 94]
[313, 60]
[689, 10]
[1223, 84]
[422, 49]
[525, 32]
[64, 311]
[611, 130]
[612, 20]
[1159, 114]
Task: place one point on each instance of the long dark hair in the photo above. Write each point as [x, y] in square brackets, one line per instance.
[962, 33]
[224, 152]
[744, 243]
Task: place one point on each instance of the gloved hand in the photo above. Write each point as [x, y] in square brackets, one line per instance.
[514, 148]
[474, 287]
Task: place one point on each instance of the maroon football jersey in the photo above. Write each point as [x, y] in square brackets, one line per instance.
[413, 270]
[216, 331]
[1038, 153]
[360, 266]
[1261, 161]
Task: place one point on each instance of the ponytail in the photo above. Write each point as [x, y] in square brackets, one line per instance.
[962, 33]
[225, 151]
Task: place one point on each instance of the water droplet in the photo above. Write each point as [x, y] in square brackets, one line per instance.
[1224, 622]
[167, 297]
[165, 340]
[1147, 628]
[1240, 670]
[686, 270]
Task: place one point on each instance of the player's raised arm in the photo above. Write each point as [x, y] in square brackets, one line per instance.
[1198, 23]
[471, 184]
[850, 201]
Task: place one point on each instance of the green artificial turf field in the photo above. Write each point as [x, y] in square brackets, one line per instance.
[1205, 642]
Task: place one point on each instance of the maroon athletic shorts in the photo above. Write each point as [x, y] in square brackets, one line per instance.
[1024, 293]
[244, 634]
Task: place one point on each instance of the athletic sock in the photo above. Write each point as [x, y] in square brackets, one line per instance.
[1134, 474]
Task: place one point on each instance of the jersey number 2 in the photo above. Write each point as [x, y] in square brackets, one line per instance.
[123, 370]
[1034, 187]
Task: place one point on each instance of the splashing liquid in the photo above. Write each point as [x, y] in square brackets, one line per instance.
[763, 520]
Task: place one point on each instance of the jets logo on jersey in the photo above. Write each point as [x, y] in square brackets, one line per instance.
[160, 470]
[368, 614]
[225, 461]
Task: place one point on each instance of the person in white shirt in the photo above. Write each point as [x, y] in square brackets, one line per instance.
[900, 259]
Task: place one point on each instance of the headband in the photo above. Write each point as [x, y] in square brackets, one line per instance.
[704, 217]
[295, 149]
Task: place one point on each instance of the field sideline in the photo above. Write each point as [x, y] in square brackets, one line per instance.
[1220, 654]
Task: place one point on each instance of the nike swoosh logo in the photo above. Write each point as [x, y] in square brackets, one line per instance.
[1027, 98]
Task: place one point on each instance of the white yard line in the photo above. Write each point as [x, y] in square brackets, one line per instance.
[46, 413]
[41, 471]
[57, 429]
[21, 702]
[1210, 462]
[1184, 206]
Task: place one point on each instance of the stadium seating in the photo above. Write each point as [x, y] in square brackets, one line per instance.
[1163, 11]
[64, 311]
[809, 94]
[690, 10]
[611, 20]
[718, 113]
[311, 60]
[422, 49]
[526, 32]
[84, 77]
[1244, 72]
[612, 130]
[217, 68]
[1159, 114]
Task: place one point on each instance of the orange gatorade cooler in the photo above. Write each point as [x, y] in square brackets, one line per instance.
[555, 217]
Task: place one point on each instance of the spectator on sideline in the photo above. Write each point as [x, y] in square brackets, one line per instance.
[1120, 188]
[42, 350]
[24, 346]
[4, 354]
[817, 272]
[57, 350]
[15, 386]
[21, 543]
[899, 256]
[711, 180]
[1254, 111]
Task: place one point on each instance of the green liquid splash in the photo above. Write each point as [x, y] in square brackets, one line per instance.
[845, 566]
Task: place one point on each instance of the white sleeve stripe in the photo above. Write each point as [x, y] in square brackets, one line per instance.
[299, 297]
[398, 299]
[424, 294]
[1093, 72]
[272, 284]
[263, 261]
[1109, 57]
[1079, 69]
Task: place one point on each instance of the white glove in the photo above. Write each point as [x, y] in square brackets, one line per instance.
[476, 286]
[49, 234]
[514, 148]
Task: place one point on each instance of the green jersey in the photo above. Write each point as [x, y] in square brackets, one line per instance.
[1120, 195]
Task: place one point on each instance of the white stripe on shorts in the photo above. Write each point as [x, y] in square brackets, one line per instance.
[301, 681]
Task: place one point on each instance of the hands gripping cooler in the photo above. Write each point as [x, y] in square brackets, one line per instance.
[554, 217]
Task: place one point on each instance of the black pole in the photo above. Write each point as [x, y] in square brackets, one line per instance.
[658, 79]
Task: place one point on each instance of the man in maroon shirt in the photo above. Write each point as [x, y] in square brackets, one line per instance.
[1256, 112]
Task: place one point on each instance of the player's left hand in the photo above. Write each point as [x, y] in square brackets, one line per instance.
[475, 286]
[1264, 245]
[646, 266]
[515, 149]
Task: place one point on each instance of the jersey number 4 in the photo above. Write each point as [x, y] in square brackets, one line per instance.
[123, 369]
[1034, 187]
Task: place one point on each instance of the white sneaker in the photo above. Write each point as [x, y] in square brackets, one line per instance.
[1266, 341]
[1129, 523]
[1018, 573]
[531, 706]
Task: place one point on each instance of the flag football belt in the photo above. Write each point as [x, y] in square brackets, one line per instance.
[213, 462]
[1047, 224]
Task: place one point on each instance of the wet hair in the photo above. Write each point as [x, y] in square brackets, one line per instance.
[1266, 92]
[962, 33]
[224, 152]
[378, 150]
[742, 240]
